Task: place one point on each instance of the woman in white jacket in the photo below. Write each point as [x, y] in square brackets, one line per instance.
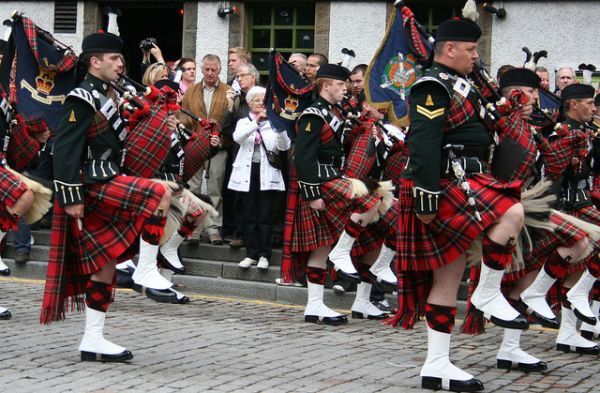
[254, 176]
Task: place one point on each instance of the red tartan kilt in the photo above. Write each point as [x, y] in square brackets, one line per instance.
[359, 164]
[372, 237]
[314, 231]
[197, 151]
[449, 235]
[11, 189]
[148, 144]
[23, 148]
[592, 215]
[114, 215]
[546, 242]
[394, 167]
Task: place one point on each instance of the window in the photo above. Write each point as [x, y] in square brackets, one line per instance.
[65, 17]
[288, 28]
[431, 13]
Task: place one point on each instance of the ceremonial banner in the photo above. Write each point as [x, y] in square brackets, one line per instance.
[43, 73]
[396, 66]
[288, 94]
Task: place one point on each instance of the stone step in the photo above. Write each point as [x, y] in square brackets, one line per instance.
[199, 251]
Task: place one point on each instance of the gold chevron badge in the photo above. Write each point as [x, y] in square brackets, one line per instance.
[430, 114]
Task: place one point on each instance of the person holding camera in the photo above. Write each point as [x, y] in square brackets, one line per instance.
[257, 173]
[149, 48]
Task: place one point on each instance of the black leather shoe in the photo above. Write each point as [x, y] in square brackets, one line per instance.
[589, 320]
[525, 367]
[5, 315]
[162, 260]
[99, 357]
[22, 257]
[5, 272]
[433, 383]
[124, 279]
[551, 323]
[165, 296]
[519, 322]
[359, 315]
[333, 321]
[595, 350]
[353, 277]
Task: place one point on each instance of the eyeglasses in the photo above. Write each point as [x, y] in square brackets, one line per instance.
[239, 76]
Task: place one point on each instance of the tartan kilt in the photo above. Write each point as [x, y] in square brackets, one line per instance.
[197, 151]
[23, 148]
[359, 164]
[545, 242]
[394, 166]
[11, 189]
[313, 231]
[592, 215]
[148, 143]
[449, 235]
[373, 236]
[115, 212]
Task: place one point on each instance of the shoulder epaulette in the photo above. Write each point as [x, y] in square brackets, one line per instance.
[84, 95]
[432, 79]
[311, 110]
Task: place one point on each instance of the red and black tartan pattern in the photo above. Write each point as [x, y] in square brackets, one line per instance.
[592, 215]
[449, 235]
[395, 164]
[11, 189]
[97, 127]
[458, 113]
[440, 318]
[197, 151]
[186, 228]
[149, 142]
[515, 128]
[557, 155]
[413, 290]
[374, 235]
[313, 230]
[556, 266]
[98, 295]
[113, 220]
[496, 256]
[353, 229]
[594, 265]
[153, 230]
[23, 147]
[358, 163]
[545, 242]
[65, 64]
[363, 272]
[316, 275]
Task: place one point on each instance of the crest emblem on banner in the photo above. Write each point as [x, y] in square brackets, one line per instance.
[400, 73]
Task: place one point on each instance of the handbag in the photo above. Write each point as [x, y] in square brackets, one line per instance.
[272, 157]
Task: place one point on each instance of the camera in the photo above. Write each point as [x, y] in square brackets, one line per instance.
[148, 43]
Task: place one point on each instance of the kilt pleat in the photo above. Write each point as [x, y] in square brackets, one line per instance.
[11, 189]
[428, 247]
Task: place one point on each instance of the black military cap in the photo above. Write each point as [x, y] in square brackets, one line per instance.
[169, 83]
[333, 71]
[458, 29]
[101, 42]
[597, 100]
[578, 90]
[519, 77]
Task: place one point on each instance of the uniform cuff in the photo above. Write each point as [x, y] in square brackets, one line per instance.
[310, 191]
[426, 202]
[68, 194]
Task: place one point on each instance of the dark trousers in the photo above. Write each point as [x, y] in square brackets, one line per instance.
[258, 217]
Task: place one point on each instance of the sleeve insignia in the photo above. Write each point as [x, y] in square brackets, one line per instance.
[72, 118]
[430, 114]
[308, 129]
[429, 100]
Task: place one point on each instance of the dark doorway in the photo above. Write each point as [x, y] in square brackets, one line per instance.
[162, 20]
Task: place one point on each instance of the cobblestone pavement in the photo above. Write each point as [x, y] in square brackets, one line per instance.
[232, 345]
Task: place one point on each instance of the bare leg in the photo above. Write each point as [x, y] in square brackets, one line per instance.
[446, 281]
[318, 257]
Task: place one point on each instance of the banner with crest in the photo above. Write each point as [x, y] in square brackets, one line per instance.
[288, 94]
[397, 64]
[38, 72]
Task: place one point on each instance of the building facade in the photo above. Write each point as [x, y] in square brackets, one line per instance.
[195, 28]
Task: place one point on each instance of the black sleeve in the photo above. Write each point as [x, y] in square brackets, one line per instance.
[429, 102]
[308, 141]
[69, 145]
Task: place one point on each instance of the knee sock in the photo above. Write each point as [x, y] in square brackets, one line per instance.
[556, 266]
[154, 228]
[496, 256]
[440, 318]
[316, 275]
[98, 295]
